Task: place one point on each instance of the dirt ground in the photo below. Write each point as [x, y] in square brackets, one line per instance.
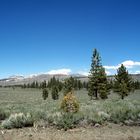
[109, 132]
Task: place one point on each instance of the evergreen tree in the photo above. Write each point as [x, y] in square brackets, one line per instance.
[28, 85]
[55, 82]
[68, 85]
[79, 84]
[55, 95]
[45, 94]
[36, 85]
[97, 78]
[24, 86]
[32, 85]
[43, 85]
[102, 84]
[136, 84]
[85, 85]
[123, 82]
[75, 84]
[110, 84]
[60, 85]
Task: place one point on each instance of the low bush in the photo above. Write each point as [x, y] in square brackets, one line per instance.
[64, 120]
[120, 111]
[69, 103]
[18, 121]
[3, 114]
[67, 121]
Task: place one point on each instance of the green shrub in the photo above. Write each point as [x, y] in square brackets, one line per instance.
[45, 94]
[116, 111]
[103, 94]
[94, 117]
[63, 120]
[66, 121]
[3, 114]
[39, 115]
[18, 121]
[122, 110]
[69, 103]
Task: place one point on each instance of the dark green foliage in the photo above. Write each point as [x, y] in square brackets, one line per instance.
[110, 84]
[28, 85]
[123, 82]
[103, 91]
[136, 85]
[97, 78]
[102, 85]
[79, 84]
[3, 114]
[24, 86]
[34, 84]
[72, 84]
[67, 121]
[85, 85]
[55, 82]
[55, 95]
[45, 94]
[43, 85]
[69, 85]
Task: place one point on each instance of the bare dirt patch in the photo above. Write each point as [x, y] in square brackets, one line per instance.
[109, 132]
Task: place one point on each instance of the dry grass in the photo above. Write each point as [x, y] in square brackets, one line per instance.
[30, 100]
[110, 132]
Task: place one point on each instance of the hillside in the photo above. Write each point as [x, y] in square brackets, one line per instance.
[19, 80]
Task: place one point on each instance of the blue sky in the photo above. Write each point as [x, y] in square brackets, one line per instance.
[44, 35]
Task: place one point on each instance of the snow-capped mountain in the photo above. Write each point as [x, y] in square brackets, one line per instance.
[17, 79]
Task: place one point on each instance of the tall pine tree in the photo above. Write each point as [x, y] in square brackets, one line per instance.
[97, 78]
[55, 94]
[103, 84]
[123, 82]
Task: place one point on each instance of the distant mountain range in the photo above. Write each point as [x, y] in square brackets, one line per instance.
[19, 80]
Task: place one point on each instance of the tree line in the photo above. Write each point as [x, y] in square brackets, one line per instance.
[99, 86]
[60, 84]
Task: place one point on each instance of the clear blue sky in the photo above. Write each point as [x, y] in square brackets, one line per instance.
[42, 35]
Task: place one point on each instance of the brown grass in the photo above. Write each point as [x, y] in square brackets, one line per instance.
[109, 132]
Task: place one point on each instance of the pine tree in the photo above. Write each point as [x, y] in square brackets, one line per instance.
[97, 78]
[36, 84]
[68, 85]
[123, 82]
[55, 82]
[79, 84]
[103, 84]
[32, 85]
[55, 95]
[136, 84]
[24, 86]
[60, 85]
[28, 85]
[75, 84]
[110, 84]
[45, 94]
[43, 85]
